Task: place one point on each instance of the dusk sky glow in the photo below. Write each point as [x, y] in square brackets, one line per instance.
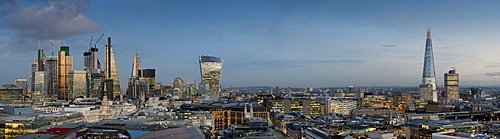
[331, 43]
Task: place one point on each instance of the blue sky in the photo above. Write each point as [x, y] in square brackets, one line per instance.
[273, 43]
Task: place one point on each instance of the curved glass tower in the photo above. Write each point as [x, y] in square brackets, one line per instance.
[428, 87]
[211, 68]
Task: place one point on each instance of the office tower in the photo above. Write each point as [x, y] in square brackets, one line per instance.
[149, 76]
[39, 87]
[427, 89]
[77, 84]
[136, 90]
[94, 84]
[95, 76]
[65, 64]
[178, 86]
[22, 84]
[86, 61]
[91, 63]
[211, 68]
[451, 85]
[41, 60]
[34, 66]
[111, 72]
[51, 68]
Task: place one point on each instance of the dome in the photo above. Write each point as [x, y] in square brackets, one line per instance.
[178, 79]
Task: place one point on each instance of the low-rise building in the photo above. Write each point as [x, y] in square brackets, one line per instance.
[381, 135]
[61, 118]
[19, 121]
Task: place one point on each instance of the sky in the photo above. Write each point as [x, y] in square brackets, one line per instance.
[286, 43]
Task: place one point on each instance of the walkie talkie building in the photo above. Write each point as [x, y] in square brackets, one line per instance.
[211, 68]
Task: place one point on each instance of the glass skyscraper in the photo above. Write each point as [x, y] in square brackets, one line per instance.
[211, 68]
[39, 88]
[111, 72]
[51, 75]
[427, 89]
[77, 83]
[65, 64]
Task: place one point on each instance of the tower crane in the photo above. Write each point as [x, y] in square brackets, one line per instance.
[94, 43]
[98, 40]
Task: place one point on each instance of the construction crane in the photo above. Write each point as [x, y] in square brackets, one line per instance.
[98, 40]
[94, 43]
[52, 43]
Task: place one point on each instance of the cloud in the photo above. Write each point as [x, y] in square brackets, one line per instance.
[492, 74]
[11, 6]
[52, 19]
[493, 65]
[391, 45]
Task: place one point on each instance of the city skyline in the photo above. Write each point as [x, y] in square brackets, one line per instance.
[263, 43]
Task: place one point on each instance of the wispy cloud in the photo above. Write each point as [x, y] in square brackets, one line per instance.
[492, 74]
[493, 65]
[390, 45]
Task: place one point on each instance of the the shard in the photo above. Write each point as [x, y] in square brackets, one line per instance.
[427, 89]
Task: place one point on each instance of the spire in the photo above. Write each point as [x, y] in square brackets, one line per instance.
[429, 33]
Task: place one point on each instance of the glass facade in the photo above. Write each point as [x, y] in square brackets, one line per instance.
[11, 95]
[428, 87]
[51, 73]
[65, 64]
[39, 88]
[94, 84]
[211, 68]
[20, 128]
[316, 108]
[113, 71]
[77, 84]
